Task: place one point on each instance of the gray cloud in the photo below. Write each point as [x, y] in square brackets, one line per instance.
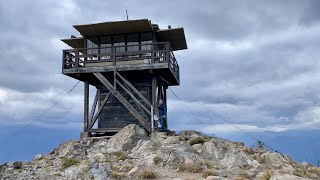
[255, 63]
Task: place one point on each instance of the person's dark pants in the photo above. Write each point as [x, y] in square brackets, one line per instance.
[162, 123]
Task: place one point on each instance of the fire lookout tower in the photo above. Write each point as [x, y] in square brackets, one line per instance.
[131, 64]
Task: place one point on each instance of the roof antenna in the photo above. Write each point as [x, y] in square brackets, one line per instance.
[127, 15]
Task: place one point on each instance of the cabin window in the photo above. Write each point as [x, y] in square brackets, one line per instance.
[119, 40]
[146, 38]
[105, 46]
[133, 39]
[93, 43]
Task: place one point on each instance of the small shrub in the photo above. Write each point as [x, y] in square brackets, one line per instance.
[117, 175]
[245, 175]
[195, 168]
[248, 151]
[198, 140]
[127, 167]
[316, 171]
[209, 164]
[157, 160]
[298, 172]
[68, 162]
[209, 172]
[261, 159]
[121, 155]
[146, 174]
[260, 145]
[266, 175]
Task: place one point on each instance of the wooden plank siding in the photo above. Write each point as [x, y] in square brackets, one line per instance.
[115, 114]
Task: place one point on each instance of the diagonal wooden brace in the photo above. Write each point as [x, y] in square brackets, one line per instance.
[123, 101]
[94, 119]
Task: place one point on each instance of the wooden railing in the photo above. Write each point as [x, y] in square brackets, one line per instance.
[120, 55]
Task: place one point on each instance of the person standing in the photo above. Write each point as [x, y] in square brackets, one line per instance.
[162, 114]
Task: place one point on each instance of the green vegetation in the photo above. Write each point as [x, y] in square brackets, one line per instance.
[121, 155]
[261, 159]
[194, 168]
[209, 172]
[266, 175]
[117, 175]
[248, 151]
[157, 160]
[146, 174]
[198, 140]
[68, 162]
[260, 145]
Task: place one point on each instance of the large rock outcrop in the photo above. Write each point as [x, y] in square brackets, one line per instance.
[131, 154]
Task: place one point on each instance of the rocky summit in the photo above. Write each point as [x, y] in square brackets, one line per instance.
[132, 154]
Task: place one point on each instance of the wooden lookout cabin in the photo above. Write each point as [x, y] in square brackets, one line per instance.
[131, 64]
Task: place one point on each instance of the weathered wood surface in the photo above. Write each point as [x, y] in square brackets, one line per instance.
[93, 121]
[94, 105]
[86, 105]
[134, 89]
[119, 68]
[124, 102]
[159, 56]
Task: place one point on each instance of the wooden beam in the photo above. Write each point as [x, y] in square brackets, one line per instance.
[134, 98]
[99, 110]
[119, 68]
[139, 105]
[154, 89]
[105, 130]
[159, 94]
[124, 102]
[94, 105]
[154, 98]
[86, 106]
[134, 89]
[165, 101]
[115, 79]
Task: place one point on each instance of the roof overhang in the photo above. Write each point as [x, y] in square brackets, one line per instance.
[116, 27]
[74, 42]
[175, 37]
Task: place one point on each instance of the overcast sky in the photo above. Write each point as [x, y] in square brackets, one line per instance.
[255, 63]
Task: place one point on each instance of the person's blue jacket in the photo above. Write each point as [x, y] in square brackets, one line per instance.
[162, 110]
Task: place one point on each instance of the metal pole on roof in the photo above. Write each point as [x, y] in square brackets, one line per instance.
[127, 14]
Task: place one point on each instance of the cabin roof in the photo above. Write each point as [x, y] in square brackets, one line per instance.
[77, 42]
[174, 36]
[114, 27]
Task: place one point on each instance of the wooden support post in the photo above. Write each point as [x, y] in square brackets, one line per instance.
[76, 58]
[165, 102]
[154, 94]
[94, 105]
[154, 89]
[152, 54]
[159, 92]
[115, 79]
[86, 106]
[113, 55]
[152, 118]
[63, 60]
